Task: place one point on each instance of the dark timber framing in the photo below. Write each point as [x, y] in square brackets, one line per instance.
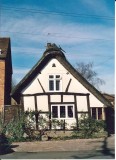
[75, 103]
[88, 105]
[56, 93]
[35, 98]
[36, 115]
[76, 111]
[49, 109]
[41, 85]
[68, 85]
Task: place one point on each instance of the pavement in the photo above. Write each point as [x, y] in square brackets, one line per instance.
[101, 148]
[105, 144]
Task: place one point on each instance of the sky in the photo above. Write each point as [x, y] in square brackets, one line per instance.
[83, 28]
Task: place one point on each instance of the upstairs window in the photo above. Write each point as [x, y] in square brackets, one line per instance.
[54, 83]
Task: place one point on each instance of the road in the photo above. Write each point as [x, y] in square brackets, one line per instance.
[98, 154]
[102, 148]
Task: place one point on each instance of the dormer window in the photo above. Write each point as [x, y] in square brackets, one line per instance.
[55, 83]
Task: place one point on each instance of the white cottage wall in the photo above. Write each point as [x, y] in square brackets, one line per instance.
[33, 87]
[68, 98]
[75, 86]
[55, 98]
[29, 103]
[82, 103]
[42, 103]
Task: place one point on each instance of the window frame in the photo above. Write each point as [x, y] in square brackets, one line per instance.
[55, 80]
[97, 114]
[66, 111]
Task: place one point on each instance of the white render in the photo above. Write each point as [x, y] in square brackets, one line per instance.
[75, 86]
[42, 103]
[29, 103]
[82, 103]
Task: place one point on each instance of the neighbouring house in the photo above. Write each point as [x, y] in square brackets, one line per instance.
[110, 97]
[53, 86]
[5, 72]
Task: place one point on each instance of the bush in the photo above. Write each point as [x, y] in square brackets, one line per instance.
[2, 126]
[22, 129]
[15, 129]
[88, 127]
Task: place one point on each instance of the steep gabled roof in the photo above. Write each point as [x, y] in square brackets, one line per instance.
[54, 52]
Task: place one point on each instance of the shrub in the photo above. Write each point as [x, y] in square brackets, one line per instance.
[2, 128]
[88, 127]
[15, 129]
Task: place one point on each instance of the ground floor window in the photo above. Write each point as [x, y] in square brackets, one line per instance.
[62, 111]
[97, 113]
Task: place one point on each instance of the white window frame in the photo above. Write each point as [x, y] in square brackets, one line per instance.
[54, 82]
[66, 111]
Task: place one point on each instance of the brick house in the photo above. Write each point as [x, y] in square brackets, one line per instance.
[5, 72]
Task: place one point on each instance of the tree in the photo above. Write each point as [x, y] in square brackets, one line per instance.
[87, 71]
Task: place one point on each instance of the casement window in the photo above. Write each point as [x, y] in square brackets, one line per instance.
[54, 83]
[62, 111]
[97, 113]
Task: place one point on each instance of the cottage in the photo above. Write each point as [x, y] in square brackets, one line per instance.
[5, 72]
[53, 86]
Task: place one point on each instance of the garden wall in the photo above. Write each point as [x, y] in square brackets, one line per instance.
[11, 112]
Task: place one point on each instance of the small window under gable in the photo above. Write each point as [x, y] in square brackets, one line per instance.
[54, 83]
[53, 65]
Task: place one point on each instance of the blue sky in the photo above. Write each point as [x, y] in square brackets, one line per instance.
[83, 28]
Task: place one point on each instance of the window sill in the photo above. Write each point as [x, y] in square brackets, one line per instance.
[63, 118]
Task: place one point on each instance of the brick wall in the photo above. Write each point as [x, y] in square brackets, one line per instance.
[2, 83]
[5, 72]
[12, 112]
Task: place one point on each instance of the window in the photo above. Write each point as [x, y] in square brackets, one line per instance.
[99, 113]
[54, 83]
[70, 111]
[96, 113]
[55, 111]
[62, 111]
